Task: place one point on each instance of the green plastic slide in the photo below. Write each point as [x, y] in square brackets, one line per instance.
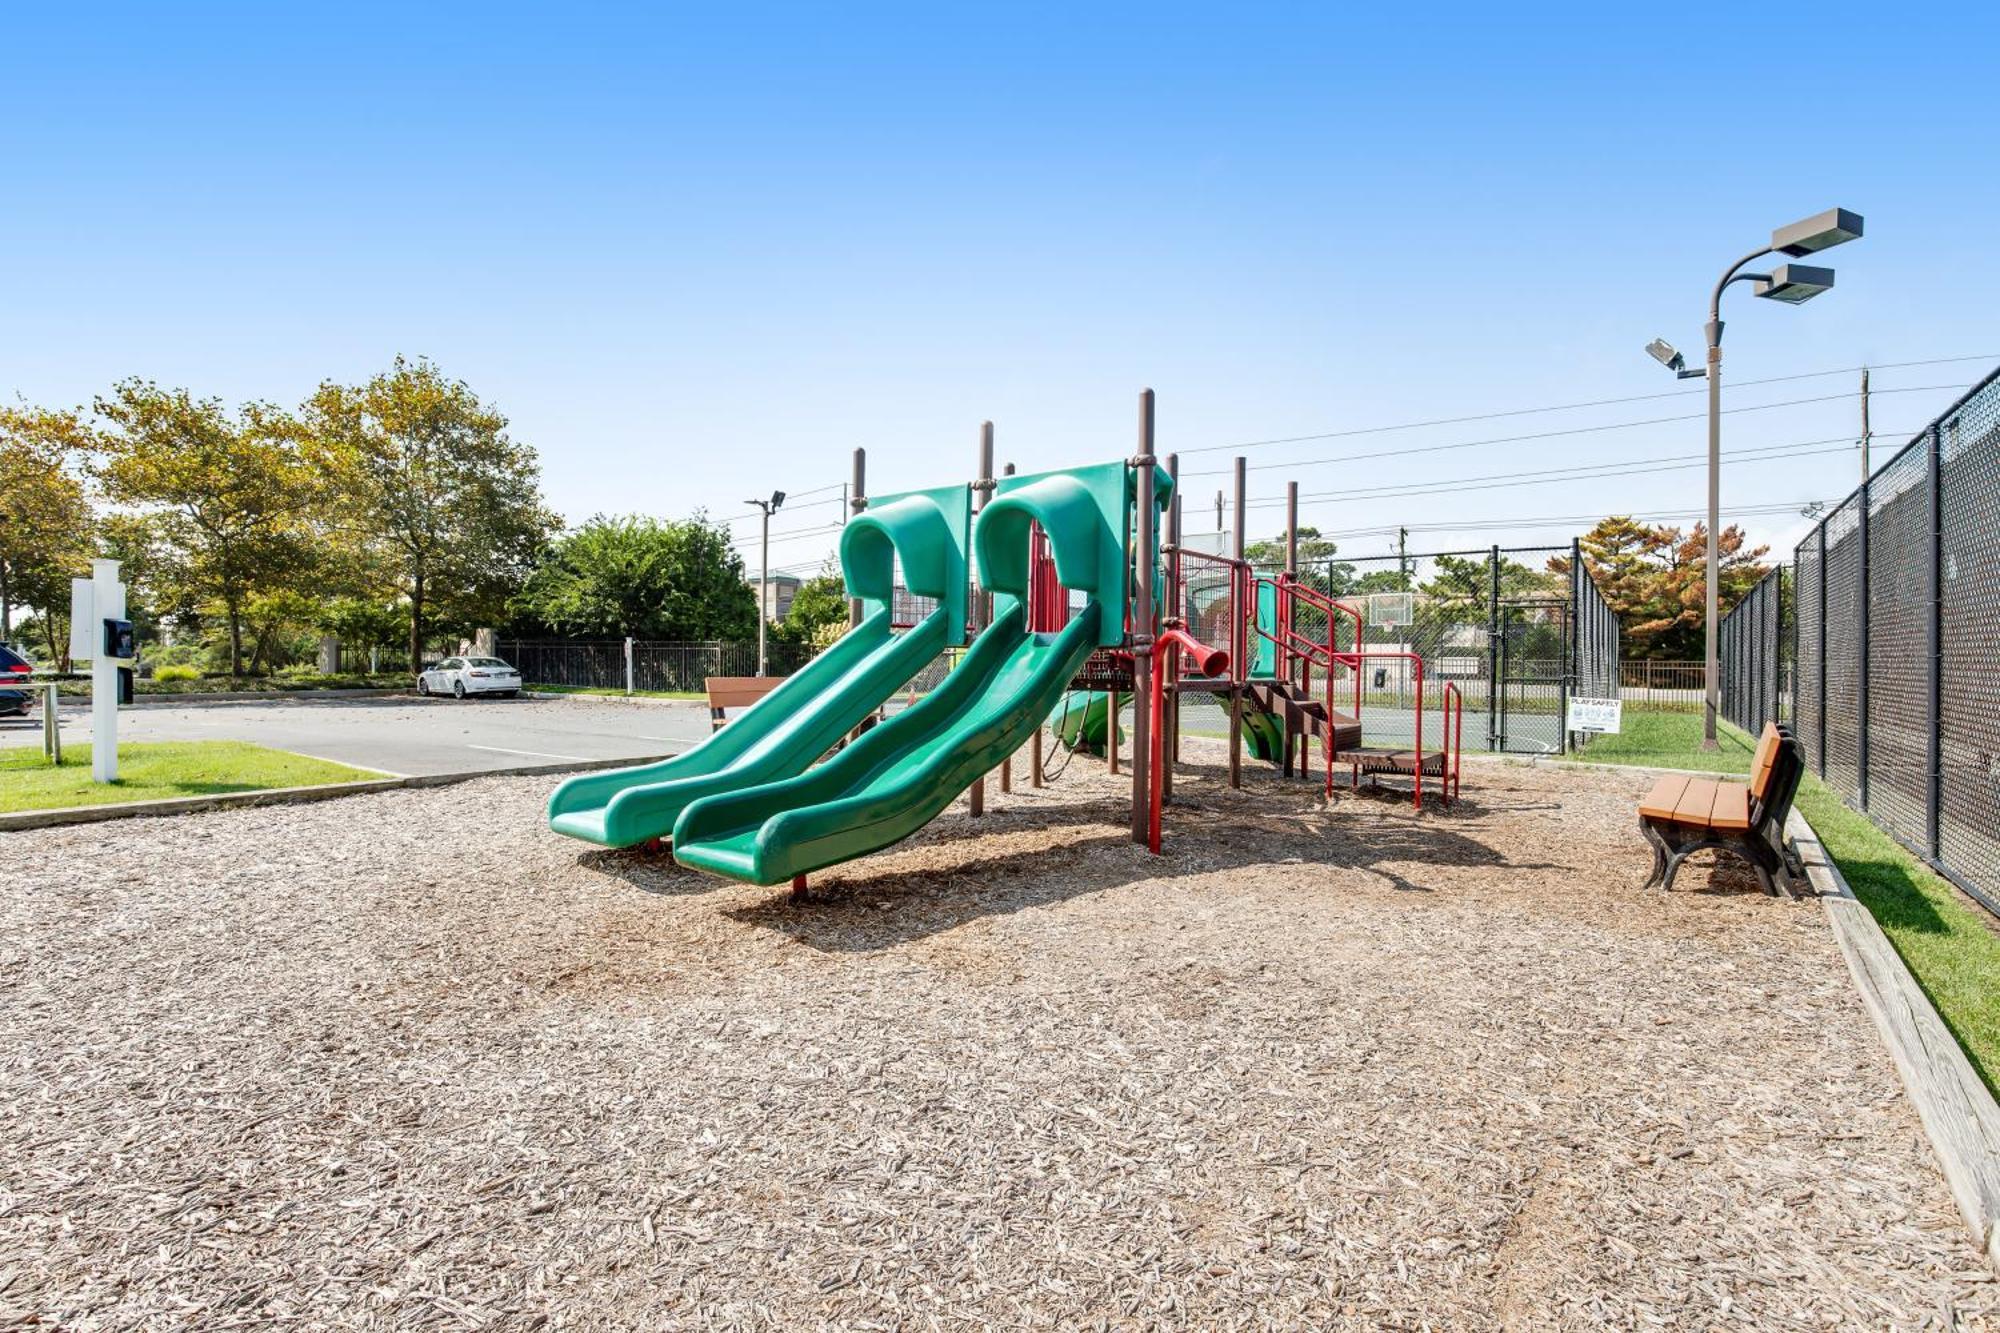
[905, 772]
[1081, 718]
[816, 706]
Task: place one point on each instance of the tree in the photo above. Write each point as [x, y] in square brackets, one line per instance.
[225, 498]
[819, 605]
[1468, 582]
[641, 578]
[430, 483]
[1655, 580]
[1317, 567]
[45, 518]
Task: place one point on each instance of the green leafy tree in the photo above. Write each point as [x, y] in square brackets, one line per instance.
[642, 578]
[448, 508]
[225, 499]
[46, 521]
[1655, 579]
[1318, 567]
[1467, 581]
[818, 606]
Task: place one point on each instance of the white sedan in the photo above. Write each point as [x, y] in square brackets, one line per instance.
[460, 676]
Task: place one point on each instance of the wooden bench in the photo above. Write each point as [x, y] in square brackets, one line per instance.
[726, 692]
[1686, 813]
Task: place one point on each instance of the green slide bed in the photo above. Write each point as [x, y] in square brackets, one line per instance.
[903, 773]
[806, 716]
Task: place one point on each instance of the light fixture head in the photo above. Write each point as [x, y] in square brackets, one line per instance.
[1663, 352]
[1794, 284]
[1819, 232]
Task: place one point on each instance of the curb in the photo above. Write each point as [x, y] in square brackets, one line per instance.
[642, 700]
[1959, 1115]
[21, 821]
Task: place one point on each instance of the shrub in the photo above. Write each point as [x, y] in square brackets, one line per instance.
[174, 671]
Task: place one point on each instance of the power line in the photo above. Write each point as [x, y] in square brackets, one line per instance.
[1534, 479]
[1563, 520]
[1570, 407]
[1582, 471]
[1557, 434]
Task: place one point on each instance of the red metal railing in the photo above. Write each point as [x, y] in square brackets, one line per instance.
[1242, 611]
[1206, 660]
[1302, 652]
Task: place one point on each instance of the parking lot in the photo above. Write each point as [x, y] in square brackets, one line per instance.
[406, 735]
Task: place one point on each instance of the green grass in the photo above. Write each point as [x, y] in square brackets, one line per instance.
[1948, 944]
[151, 771]
[1669, 740]
[612, 690]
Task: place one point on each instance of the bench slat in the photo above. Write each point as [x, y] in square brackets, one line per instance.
[1666, 794]
[1764, 761]
[1732, 807]
[1696, 802]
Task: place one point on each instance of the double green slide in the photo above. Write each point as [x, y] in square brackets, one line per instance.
[748, 802]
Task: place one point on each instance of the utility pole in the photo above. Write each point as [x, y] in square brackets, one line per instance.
[1218, 509]
[1866, 434]
[1403, 559]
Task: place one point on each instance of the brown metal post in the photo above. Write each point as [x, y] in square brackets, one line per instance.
[1176, 604]
[1007, 764]
[857, 500]
[1292, 528]
[1142, 628]
[981, 607]
[1239, 642]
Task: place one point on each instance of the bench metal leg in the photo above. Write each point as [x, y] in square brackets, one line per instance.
[1671, 847]
[1659, 846]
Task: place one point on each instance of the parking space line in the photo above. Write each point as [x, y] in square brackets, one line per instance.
[532, 754]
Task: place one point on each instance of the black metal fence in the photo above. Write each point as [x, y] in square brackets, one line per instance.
[1518, 630]
[668, 666]
[1897, 645]
[1753, 656]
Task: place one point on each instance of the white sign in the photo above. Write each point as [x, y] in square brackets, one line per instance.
[1595, 715]
[82, 620]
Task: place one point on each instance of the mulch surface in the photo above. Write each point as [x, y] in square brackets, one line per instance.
[409, 1060]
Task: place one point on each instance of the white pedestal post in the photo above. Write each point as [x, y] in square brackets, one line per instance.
[93, 601]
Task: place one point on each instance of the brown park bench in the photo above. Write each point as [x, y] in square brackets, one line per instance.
[725, 692]
[1685, 813]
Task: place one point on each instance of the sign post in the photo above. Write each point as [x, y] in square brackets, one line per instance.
[99, 631]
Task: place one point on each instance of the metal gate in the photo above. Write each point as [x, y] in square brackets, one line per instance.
[1530, 652]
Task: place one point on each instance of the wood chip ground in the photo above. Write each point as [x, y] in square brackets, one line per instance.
[412, 1061]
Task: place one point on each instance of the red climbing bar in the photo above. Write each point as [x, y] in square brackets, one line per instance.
[1209, 662]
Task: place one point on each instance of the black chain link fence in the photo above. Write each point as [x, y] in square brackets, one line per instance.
[681, 667]
[1896, 642]
[1753, 656]
[1518, 631]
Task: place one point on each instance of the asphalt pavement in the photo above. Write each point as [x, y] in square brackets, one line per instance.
[409, 736]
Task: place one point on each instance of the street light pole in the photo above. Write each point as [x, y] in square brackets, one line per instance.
[765, 508]
[764, 590]
[1793, 284]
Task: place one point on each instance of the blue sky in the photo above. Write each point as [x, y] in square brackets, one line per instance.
[698, 254]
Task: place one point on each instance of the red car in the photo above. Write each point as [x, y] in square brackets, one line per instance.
[14, 670]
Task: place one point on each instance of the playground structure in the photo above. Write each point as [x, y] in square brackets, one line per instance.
[1082, 589]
